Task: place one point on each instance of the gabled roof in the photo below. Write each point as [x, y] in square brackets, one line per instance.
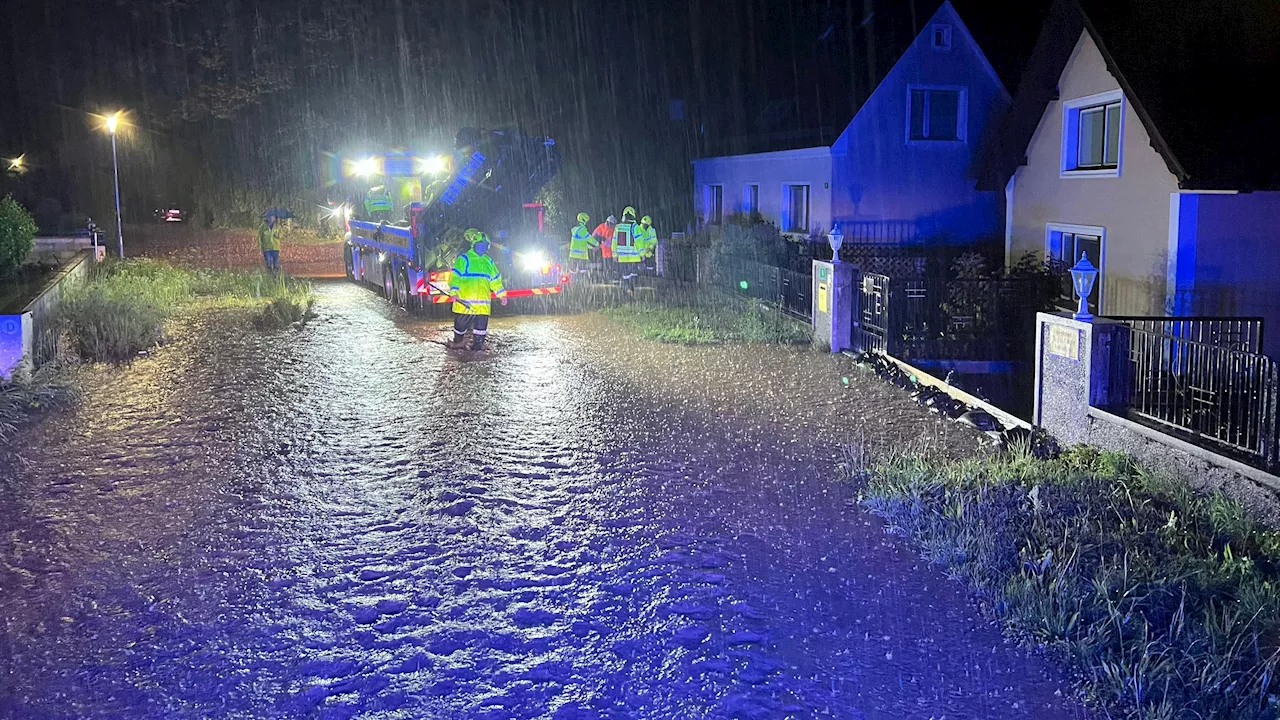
[1198, 75]
[829, 86]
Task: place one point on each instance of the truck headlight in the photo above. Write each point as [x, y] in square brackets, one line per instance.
[533, 261]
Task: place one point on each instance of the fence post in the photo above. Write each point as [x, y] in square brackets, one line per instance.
[1270, 430]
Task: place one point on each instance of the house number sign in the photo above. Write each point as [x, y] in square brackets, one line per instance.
[1064, 342]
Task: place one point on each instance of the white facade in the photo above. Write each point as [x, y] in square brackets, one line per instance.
[792, 188]
[1061, 194]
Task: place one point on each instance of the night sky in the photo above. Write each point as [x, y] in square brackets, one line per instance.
[234, 103]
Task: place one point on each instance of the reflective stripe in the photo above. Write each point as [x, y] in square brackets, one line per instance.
[476, 331]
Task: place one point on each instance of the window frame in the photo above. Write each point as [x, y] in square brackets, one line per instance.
[1070, 149]
[1100, 262]
[706, 202]
[785, 215]
[962, 115]
[945, 29]
[748, 206]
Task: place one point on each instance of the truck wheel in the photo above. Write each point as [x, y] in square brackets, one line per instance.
[403, 297]
[351, 263]
[388, 282]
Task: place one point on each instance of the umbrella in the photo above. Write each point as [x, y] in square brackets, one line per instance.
[278, 214]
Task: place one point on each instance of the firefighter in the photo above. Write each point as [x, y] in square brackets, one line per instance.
[625, 250]
[646, 239]
[580, 244]
[604, 236]
[377, 203]
[269, 242]
[475, 279]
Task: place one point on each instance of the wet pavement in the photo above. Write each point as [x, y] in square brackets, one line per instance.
[350, 521]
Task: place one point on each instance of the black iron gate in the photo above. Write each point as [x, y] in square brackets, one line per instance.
[872, 333]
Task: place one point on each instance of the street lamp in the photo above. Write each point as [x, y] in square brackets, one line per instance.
[111, 124]
[836, 239]
[1083, 276]
[18, 164]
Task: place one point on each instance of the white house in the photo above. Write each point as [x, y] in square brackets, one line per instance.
[1144, 143]
[902, 168]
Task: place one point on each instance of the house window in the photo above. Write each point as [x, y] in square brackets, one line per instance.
[941, 34]
[713, 202]
[750, 198]
[795, 203]
[1063, 246]
[936, 114]
[1091, 135]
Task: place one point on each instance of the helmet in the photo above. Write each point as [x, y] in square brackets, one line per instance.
[470, 235]
[612, 219]
[628, 211]
[478, 238]
[646, 220]
[583, 218]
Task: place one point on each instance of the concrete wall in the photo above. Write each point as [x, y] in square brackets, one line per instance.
[1080, 371]
[771, 171]
[1225, 257]
[21, 333]
[881, 176]
[1133, 208]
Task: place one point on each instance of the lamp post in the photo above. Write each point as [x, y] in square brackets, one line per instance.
[18, 164]
[1083, 277]
[111, 125]
[836, 239]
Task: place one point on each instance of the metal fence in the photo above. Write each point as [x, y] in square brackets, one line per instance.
[1206, 379]
[789, 289]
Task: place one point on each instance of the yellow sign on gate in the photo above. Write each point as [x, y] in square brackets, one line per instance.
[822, 297]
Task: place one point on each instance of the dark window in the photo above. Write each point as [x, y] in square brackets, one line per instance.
[751, 199]
[941, 37]
[1098, 137]
[1064, 251]
[715, 204]
[797, 209]
[935, 115]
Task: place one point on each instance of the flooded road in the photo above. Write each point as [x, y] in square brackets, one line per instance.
[347, 521]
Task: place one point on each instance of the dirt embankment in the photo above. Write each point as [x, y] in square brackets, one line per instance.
[229, 249]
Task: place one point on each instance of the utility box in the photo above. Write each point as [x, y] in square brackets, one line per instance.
[833, 296]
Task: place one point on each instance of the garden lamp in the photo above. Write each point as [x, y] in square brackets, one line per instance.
[836, 238]
[1083, 276]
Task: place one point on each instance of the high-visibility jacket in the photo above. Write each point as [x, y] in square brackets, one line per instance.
[378, 202]
[604, 234]
[581, 241]
[268, 237]
[624, 242]
[646, 240]
[474, 280]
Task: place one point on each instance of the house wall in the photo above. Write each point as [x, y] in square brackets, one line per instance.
[1134, 208]
[881, 177]
[1226, 257]
[808, 166]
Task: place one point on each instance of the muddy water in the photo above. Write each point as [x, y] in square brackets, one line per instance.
[351, 522]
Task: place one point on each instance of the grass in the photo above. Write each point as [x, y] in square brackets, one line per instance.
[1166, 603]
[708, 323]
[122, 309]
[26, 394]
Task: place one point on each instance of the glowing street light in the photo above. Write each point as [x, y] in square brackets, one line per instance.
[17, 164]
[111, 124]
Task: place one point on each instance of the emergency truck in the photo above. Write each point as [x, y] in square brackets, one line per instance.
[488, 183]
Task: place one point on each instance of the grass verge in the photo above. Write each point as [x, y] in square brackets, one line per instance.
[122, 309]
[709, 324]
[24, 395]
[1167, 603]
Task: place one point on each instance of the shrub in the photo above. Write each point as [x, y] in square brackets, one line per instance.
[17, 233]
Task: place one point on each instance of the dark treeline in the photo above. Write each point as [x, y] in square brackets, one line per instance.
[234, 103]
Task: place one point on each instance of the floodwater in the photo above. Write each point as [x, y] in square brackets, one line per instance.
[348, 521]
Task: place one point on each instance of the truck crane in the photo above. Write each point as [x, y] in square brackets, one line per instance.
[487, 183]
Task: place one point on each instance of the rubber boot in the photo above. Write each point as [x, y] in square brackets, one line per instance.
[477, 343]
